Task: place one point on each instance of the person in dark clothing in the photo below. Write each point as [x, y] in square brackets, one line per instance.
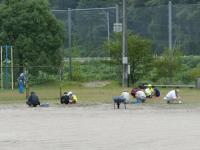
[65, 98]
[156, 92]
[33, 100]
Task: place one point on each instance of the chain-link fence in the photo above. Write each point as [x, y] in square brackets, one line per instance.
[90, 28]
[168, 26]
[86, 32]
[153, 23]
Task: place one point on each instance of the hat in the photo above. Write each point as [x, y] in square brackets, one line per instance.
[32, 93]
[149, 85]
[69, 93]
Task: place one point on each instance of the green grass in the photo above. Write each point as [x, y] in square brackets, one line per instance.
[50, 93]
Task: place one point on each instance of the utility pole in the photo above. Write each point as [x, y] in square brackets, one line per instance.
[117, 13]
[70, 43]
[125, 47]
[170, 40]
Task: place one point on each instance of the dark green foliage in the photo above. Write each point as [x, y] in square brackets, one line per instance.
[93, 70]
[34, 32]
[140, 55]
[168, 63]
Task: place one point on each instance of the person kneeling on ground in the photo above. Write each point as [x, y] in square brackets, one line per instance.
[149, 91]
[125, 94]
[173, 97]
[133, 91]
[65, 98]
[156, 92]
[72, 98]
[68, 98]
[140, 96]
[33, 100]
[123, 98]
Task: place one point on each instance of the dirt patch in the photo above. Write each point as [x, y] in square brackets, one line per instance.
[96, 84]
[98, 127]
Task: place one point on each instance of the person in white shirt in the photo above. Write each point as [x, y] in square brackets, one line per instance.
[123, 98]
[140, 96]
[173, 97]
[126, 96]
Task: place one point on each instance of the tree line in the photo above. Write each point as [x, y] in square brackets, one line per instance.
[38, 36]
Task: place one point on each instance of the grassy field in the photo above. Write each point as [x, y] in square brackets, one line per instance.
[50, 93]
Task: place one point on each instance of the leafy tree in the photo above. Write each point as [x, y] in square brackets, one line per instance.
[34, 32]
[168, 61]
[140, 55]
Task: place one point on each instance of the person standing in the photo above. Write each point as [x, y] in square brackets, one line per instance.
[21, 82]
[21, 86]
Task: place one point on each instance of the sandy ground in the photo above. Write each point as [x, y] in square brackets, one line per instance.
[99, 127]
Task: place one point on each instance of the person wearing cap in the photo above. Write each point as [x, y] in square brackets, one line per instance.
[65, 98]
[149, 91]
[33, 100]
[72, 98]
[173, 97]
[68, 98]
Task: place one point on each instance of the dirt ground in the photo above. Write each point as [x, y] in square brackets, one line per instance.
[99, 127]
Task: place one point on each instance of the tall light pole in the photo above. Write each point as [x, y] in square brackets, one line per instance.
[124, 47]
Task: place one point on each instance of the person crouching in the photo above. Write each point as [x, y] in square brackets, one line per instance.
[65, 98]
[173, 97]
[140, 96]
[68, 98]
[72, 98]
[33, 100]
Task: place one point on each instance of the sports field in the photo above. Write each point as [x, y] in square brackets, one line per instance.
[98, 127]
[93, 124]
